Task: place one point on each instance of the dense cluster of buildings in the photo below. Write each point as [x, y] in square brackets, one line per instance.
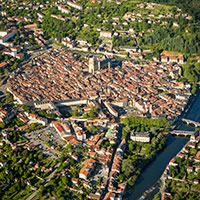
[57, 75]
[80, 133]
[34, 118]
[6, 40]
[99, 156]
[115, 189]
[6, 115]
[87, 169]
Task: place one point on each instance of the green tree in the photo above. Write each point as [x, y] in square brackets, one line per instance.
[194, 88]
[156, 197]
[127, 166]
[2, 125]
[93, 112]
[92, 129]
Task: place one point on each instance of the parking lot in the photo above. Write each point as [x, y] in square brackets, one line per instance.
[42, 138]
[49, 134]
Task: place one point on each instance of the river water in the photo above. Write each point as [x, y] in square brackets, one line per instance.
[154, 171]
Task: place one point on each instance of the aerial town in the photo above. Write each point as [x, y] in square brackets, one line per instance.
[57, 76]
[92, 93]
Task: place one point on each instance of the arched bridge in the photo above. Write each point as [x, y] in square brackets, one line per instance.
[183, 133]
[188, 122]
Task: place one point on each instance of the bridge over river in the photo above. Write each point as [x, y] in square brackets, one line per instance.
[190, 122]
[182, 133]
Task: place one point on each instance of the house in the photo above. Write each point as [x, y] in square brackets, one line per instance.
[198, 59]
[111, 109]
[6, 115]
[181, 155]
[80, 134]
[8, 52]
[4, 13]
[95, 196]
[34, 118]
[112, 196]
[69, 44]
[6, 35]
[106, 34]
[31, 26]
[140, 137]
[139, 105]
[59, 17]
[81, 42]
[191, 144]
[189, 169]
[62, 128]
[22, 117]
[136, 55]
[19, 55]
[140, 34]
[75, 181]
[194, 136]
[87, 168]
[22, 128]
[3, 65]
[121, 189]
[197, 168]
[173, 59]
[181, 59]
[175, 24]
[86, 184]
[75, 156]
[197, 157]
[172, 162]
[63, 9]
[75, 5]
[41, 16]
[3, 163]
[122, 103]
[164, 58]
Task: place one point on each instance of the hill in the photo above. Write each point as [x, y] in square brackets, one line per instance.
[189, 6]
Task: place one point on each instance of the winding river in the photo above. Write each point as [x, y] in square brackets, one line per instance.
[154, 171]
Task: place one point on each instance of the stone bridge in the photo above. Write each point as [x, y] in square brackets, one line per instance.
[184, 133]
[190, 122]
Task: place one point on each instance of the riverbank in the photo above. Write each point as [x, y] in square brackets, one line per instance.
[153, 172]
[192, 100]
[149, 193]
[178, 173]
[163, 178]
[192, 111]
